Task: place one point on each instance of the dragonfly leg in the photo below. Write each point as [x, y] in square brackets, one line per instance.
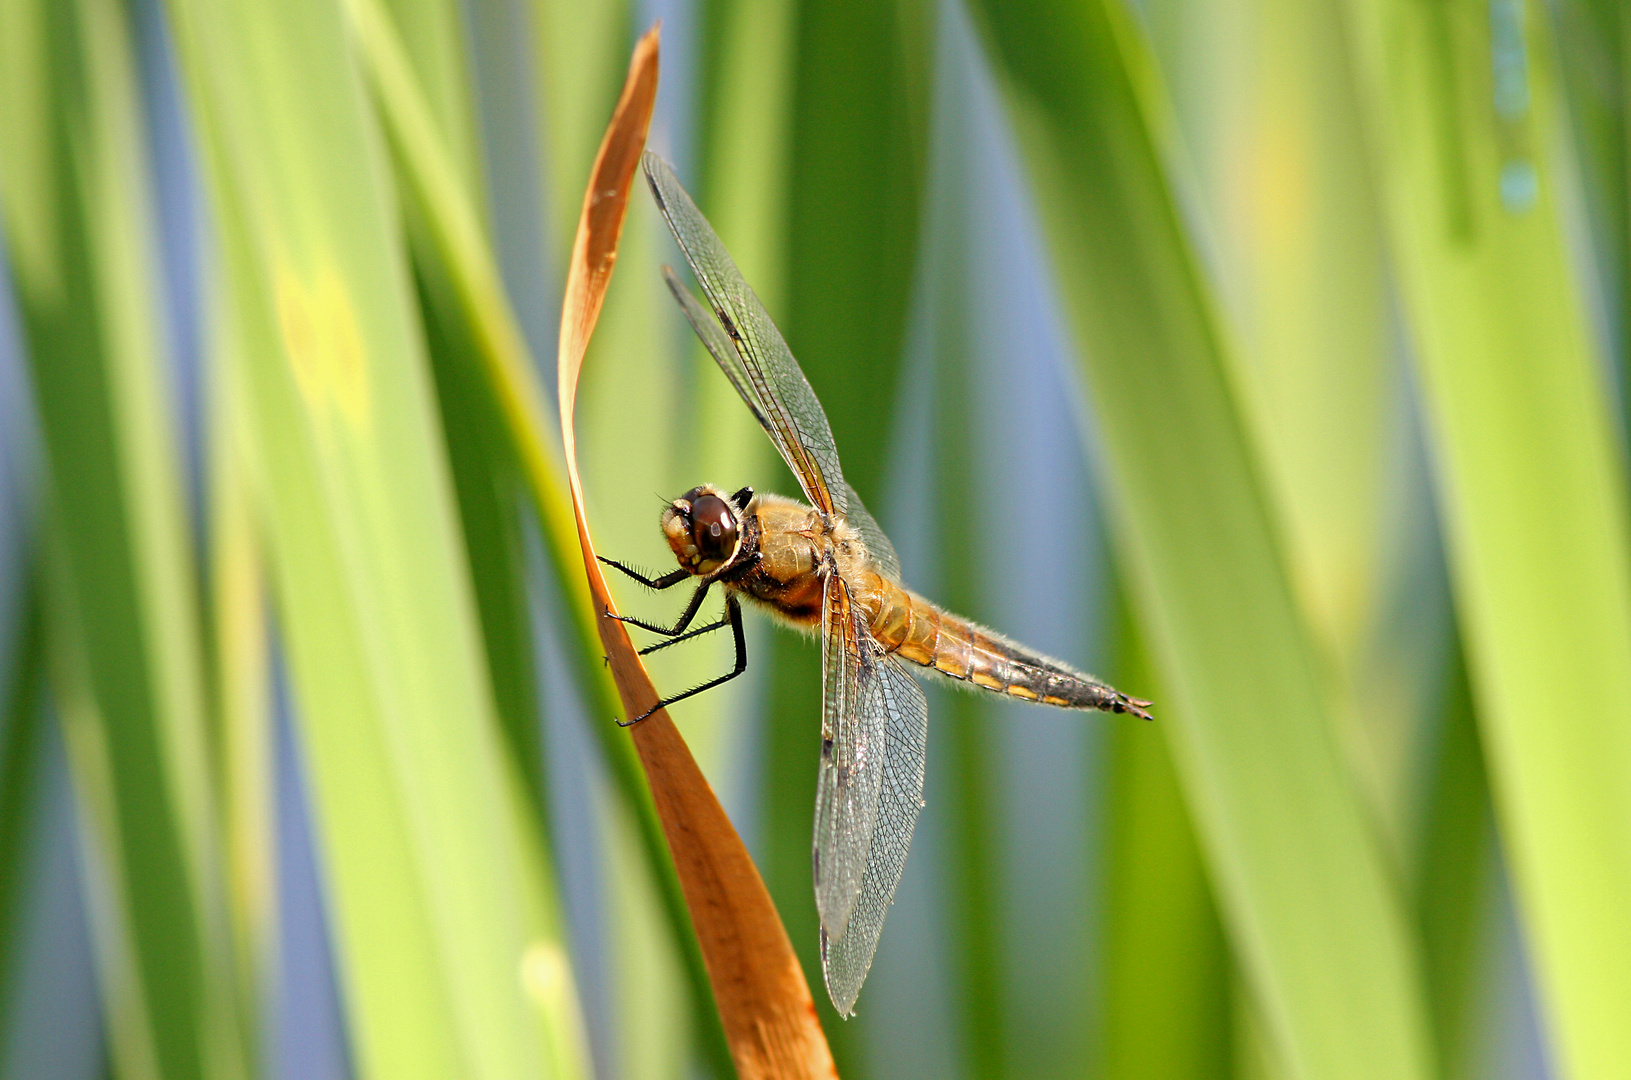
[733, 616]
[666, 581]
[724, 620]
[678, 628]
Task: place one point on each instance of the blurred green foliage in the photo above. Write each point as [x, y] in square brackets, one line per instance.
[1331, 297]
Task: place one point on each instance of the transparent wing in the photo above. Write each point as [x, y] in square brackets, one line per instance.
[886, 689]
[758, 362]
[851, 775]
[878, 546]
[718, 345]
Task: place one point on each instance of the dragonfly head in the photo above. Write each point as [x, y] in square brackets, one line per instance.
[704, 527]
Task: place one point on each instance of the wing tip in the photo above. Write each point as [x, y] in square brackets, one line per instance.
[672, 278]
[842, 997]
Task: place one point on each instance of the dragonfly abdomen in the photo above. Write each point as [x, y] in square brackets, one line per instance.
[914, 629]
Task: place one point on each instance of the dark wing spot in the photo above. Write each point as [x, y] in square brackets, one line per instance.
[815, 862]
[826, 748]
[730, 326]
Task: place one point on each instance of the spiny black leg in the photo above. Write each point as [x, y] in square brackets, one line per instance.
[668, 580]
[733, 615]
[742, 498]
[686, 616]
[687, 636]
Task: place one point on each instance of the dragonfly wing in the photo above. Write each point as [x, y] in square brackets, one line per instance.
[851, 775]
[889, 692]
[759, 364]
[878, 546]
[718, 345]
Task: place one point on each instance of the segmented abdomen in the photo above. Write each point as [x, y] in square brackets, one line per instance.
[914, 629]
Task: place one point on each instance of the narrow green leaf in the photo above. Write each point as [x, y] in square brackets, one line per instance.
[1267, 110]
[240, 656]
[450, 949]
[121, 614]
[749, 52]
[1596, 37]
[859, 150]
[1454, 872]
[1320, 931]
[580, 52]
[1465, 121]
[1167, 975]
[490, 493]
[22, 718]
[433, 39]
[966, 734]
[429, 48]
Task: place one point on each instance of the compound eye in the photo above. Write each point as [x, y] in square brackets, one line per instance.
[713, 527]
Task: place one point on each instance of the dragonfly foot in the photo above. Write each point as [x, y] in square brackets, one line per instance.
[637, 719]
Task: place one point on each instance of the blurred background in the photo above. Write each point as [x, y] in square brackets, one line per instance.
[1266, 357]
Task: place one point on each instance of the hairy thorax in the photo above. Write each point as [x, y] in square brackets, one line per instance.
[797, 549]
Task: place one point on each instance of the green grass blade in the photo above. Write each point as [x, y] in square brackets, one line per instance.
[859, 140]
[1454, 872]
[463, 283]
[749, 53]
[122, 632]
[242, 688]
[1596, 36]
[22, 718]
[1306, 896]
[432, 34]
[490, 494]
[427, 55]
[1167, 974]
[449, 946]
[485, 476]
[580, 52]
[1270, 123]
[1530, 481]
[966, 733]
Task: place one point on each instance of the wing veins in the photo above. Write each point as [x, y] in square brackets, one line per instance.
[887, 689]
[764, 372]
[718, 345]
[811, 477]
[850, 777]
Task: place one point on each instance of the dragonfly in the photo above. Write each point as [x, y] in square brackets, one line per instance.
[825, 567]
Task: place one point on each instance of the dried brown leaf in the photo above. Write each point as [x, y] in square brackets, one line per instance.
[764, 1002]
